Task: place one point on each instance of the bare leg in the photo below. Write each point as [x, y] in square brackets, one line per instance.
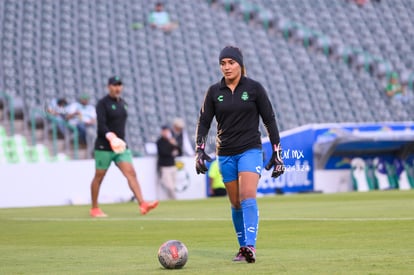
[243, 188]
[128, 171]
[248, 185]
[96, 185]
[232, 189]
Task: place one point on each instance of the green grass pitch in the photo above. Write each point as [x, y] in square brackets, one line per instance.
[347, 233]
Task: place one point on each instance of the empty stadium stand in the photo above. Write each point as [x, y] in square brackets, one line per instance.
[62, 48]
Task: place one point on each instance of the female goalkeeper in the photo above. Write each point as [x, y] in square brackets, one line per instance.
[237, 102]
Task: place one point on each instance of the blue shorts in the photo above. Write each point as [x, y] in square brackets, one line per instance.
[248, 161]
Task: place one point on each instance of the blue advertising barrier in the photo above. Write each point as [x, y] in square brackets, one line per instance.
[298, 159]
[333, 146]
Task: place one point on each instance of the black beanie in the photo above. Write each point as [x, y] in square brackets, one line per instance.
[233, 53]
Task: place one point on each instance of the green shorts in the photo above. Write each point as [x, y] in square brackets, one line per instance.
[103, 159]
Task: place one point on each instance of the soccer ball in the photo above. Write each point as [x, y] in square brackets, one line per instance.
[173, 254]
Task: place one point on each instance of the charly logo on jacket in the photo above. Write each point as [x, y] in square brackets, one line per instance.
[220, 98]
[113, 107]
[245, 96]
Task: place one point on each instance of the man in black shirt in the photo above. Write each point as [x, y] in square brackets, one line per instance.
[168, 149]
[111, 111]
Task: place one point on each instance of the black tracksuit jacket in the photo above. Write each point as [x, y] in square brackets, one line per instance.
[237, 116]
[111, 115]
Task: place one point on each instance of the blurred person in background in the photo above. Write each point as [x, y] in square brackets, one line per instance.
[216, 184]
[82, 114]
[394, 87]
[181, 136]
[160, 19]
[167, 150]
[110, 147]
[57, 109]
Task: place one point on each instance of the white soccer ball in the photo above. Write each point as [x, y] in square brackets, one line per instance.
[173, 254]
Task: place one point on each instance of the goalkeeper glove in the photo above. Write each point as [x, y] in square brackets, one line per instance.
[276, 162]
[201, 156]
[117, 144]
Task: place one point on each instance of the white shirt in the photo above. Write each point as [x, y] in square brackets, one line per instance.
[87, 113]
[159, 18]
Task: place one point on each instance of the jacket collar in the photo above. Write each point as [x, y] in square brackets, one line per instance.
[223, 82]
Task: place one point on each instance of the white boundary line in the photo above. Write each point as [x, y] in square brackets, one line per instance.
[109, 219]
